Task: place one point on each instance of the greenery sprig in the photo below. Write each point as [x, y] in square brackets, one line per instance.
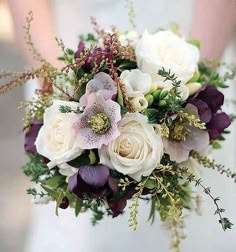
[225, 222]
[208, 163]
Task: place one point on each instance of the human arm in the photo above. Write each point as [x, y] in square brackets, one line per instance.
[42, 31]
[214, 22]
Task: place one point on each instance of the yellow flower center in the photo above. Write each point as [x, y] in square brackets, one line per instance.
[99, 123]
[179, 131]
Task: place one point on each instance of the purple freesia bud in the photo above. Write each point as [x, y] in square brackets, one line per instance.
[208, 101]
[64, 203]
[31, 135]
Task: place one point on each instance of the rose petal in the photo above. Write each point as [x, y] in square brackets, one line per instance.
[95, 176]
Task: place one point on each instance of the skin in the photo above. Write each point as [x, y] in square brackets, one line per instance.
[214, 23]
[43, 33]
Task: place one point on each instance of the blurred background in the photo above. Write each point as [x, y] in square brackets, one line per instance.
[15, 204]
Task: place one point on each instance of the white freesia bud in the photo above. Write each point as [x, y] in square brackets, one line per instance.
[64, 85]
[136, 82]
[193, 87]
[140, 103]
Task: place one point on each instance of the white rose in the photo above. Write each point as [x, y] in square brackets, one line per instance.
[138, 149]
[64, 86]
[56, 140]
[166, 49]
[136, 82]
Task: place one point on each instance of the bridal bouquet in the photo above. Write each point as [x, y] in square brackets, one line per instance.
[128, 118]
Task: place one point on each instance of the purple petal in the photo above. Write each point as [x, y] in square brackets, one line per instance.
[117, 206]
[175, 150]
[103, 84]
[204, 111]
[197, 140]
[218, 123]
[31, 135]
[212, 96]
[95, 176]
[77, 186]
[113, 185]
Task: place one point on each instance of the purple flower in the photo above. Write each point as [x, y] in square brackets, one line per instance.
[196, 139]
[208, 101]
[30, 137]
[103, 84]
[97, 125]
[95, 181]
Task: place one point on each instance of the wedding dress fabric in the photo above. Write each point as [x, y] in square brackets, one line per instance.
[50, 233]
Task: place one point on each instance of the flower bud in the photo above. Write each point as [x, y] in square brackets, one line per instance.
[140, 103]
[193, 87]
[162, 103]
[156, 94]
[163, 94]
[149, 99]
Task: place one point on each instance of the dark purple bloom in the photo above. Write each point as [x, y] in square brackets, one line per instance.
[31, 135]
[209, 100]
[95, 181]
[95, 176]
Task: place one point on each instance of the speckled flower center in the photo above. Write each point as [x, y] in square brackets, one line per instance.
[99, 123]
[179, 131]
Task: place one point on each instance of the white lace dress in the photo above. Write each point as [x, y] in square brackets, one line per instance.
[49, 233]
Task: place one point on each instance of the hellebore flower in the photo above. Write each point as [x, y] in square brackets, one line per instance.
[30, 137]
[95, 181]
[184, 138]
[97, 125]
[103, 84]
[208, 101]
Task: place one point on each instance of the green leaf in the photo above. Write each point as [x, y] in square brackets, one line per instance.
[195, 42]
[78, 206]
[80, 161]
[69, 51]
[55, 181]
[59, 199]
[120, 99]
[61, 58]
[53, 193]
[216, 145]
[152, 115]
[150, 184]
